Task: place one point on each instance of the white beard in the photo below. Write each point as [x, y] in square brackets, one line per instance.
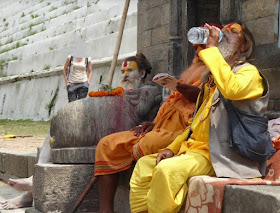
[226, 50]
[127, 84]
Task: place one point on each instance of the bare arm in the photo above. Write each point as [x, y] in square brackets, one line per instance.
[89, 71]
[66, 65]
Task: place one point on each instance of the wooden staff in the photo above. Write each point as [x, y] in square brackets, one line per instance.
[118, 44]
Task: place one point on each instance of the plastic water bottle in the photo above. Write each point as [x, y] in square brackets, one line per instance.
[199, 35]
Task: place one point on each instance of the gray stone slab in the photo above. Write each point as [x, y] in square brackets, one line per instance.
[251, 199]
[16, 165]
[56, 187]
[74, 155]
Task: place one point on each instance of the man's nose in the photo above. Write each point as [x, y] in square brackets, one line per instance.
[126, 73]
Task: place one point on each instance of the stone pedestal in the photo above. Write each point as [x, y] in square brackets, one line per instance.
[56, 187]
[73, 155]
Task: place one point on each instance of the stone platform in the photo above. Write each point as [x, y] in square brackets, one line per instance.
[54, 189]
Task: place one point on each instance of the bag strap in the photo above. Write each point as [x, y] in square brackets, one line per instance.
[227, 102]
[200, 100]
[69, 66]
[86, 63]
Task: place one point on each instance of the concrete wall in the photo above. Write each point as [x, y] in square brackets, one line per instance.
[37, 36]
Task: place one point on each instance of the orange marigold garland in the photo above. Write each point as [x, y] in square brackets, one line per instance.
[109, 92]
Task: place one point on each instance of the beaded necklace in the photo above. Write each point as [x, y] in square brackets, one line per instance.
[210, 84]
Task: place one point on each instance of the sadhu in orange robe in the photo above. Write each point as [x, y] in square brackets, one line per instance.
[116, 152]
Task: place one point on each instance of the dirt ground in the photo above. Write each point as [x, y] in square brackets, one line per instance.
[22, 143]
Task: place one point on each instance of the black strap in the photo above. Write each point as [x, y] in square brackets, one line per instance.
[69, 66]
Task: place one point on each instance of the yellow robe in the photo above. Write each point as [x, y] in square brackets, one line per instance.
[163, 187]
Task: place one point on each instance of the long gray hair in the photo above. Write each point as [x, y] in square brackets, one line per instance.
[250, 54]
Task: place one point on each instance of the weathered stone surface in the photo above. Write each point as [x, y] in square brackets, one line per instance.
[145, 38]
[31, 161]
[84, 122]
[267, 56]
[73, 155]
[147, 4]
[16, 165]
[122, 193]
[2, 163]
[255, 9]
[263, 28]
[57, 187]
[152, 18]
[160, 35]
[257, 199]
[165, 14]
[13, 164]
[273, 76]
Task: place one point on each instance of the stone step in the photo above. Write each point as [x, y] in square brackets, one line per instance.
[95, 31]
[64, 15]
[97, 48]
[41, 10]
[255, 199]
[16, 164]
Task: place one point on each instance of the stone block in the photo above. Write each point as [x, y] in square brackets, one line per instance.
[157, 52]
[140, 25]
[256, 9]
[2, 162]
[152, 4]
[160, 35]
[16, 165]
[144, 39]
[273, 75]
[160, 66]
[267, 56]
[122, 192]
[165, 14]
[257, 199]
[152, 18]
[31, 161]
[73, 155]
[275, 105]
[263, 30]
[56, 187]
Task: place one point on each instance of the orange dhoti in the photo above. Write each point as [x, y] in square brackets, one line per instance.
[116, 152]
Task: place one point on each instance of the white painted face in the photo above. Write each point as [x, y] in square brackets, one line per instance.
[131, 77]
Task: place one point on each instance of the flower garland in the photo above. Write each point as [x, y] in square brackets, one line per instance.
[109, 92]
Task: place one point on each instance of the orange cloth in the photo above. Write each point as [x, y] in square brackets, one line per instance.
[276, 143]
[117, 151]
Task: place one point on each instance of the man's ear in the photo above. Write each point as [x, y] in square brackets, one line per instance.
[244, 48]
[142, 73]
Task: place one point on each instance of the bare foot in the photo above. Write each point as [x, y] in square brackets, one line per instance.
[24, 184]
[21, 201]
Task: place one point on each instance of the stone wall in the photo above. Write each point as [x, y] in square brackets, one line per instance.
[262, 19]
[153, 32]
[157, 21]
